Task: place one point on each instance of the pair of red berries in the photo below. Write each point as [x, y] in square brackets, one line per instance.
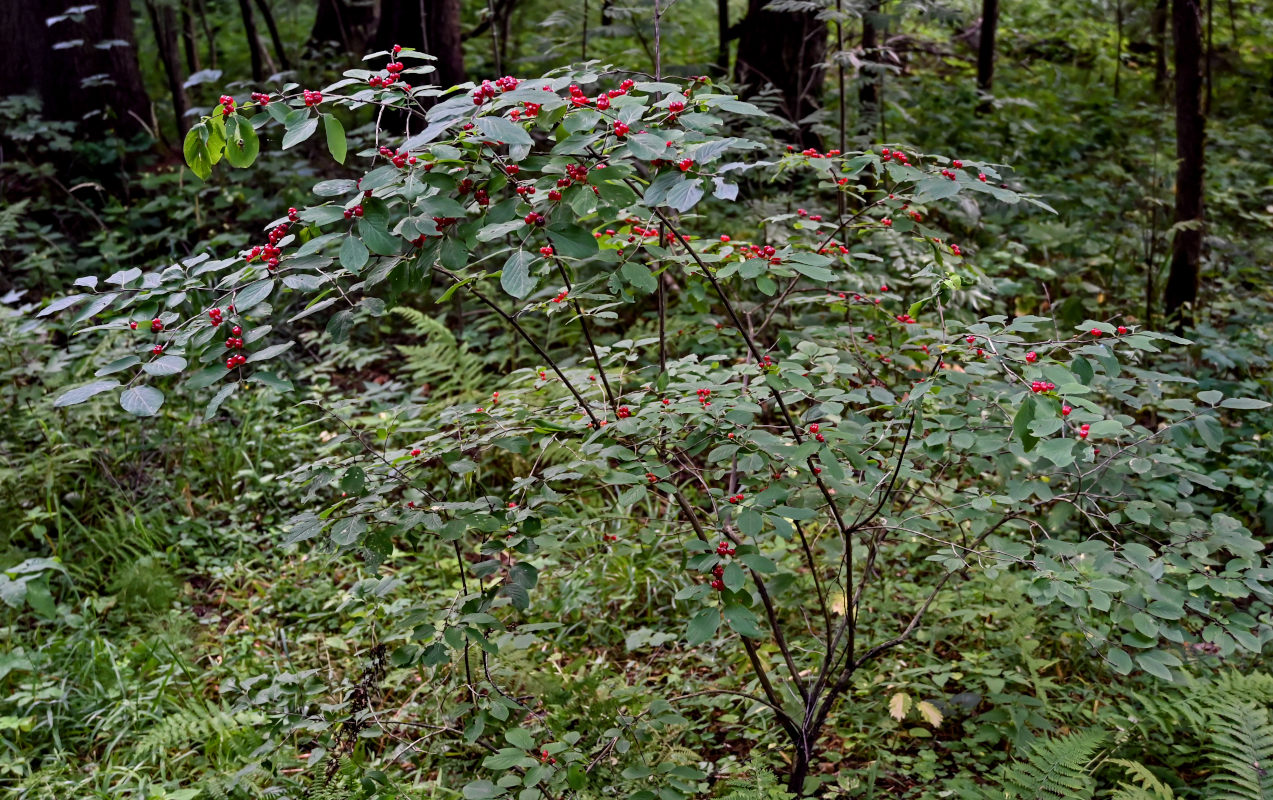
[535, 218]
[623, 412]
[356, 211]
[735, 499]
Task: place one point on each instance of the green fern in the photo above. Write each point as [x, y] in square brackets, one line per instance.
[1145, 785]
[1242, 751]
[453, 372]
[758, 784]
[1055, 768]
[196, 724]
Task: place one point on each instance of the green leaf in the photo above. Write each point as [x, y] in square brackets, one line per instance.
[299, 133]
[520, 738]
[1210, 397]
[377, 239]
[503, 130]
[647, 146]
[1058, 451]
[639, 276]
[81, 393]
[252, 294]
[1021, 424]
[353, 254]
[684, 195]
[269, 352]
[215, 403]
[195, 150]
[506, 758]
[272, 381]
[142, 401]
[241, 146]
[1244, 403]
[164, 365]
[1155, 663]
[743, 621]
[571, 240]
[515, 277]
[335, 137]
[703, 626]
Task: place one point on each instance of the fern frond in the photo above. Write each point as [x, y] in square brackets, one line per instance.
[1145, 785]
[1242, 752]
[197, 724]
[452, 370]
[1055, 768]
[759, 784]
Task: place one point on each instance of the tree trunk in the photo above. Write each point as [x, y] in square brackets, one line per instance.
[1186, 248]
[1159, 22]
[254, 41]
[188, 39]
[119, 103]
[164, 23]
[986, 47]
[336, 23]
[270, 25]
[787, 50]
[722, 37]
[25, 48]
[432, 27]
[869, 91]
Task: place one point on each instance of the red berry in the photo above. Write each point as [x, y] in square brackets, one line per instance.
[1031, 356]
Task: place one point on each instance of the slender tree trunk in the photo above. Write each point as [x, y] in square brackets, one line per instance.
[270, 25]
[1118, 46]
[1159, 22]
[188, 39]
[785, 49]
[25, 49]
[164, 23]
[254, 41]
[340, 24]
[432, 27]
[986, 53]
[869, 91]
[722, 37]
[1186, 248]
[120, 103]
[208, 34]
[1206, 109]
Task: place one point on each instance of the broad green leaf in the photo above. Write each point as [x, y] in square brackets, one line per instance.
[335, 137]
[217, 399]
[242, 145]
[164, 365]
[353, 254]
[571, 240]
[703, 626]
[299, 133]
[1244, 403]
[81, 393]
[252, 294]
[269, 352]
[515, 278]
[639, 276]
[743, 621]
[142, 401]
[503, 130]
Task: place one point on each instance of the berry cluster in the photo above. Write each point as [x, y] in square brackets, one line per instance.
[621, 128]
[1084, 429]
[546, 251]
[156, 325]
[756, 251]
[535, 218]
[800, 212]
[1042, 387]
[214, 315]
[735, 499]
[488, 91]
[394, 70]
[356, 211]
[896, 155]
[235, 342]
[544, 758]
[815, 429]
[704, 397]
[269, 253]
[261, 98]
[312, 98]
[401, 158]
[561, 296]
[623, 412]
[724, 549]
[227, 105]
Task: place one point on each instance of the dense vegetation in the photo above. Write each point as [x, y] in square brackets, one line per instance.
[650, 399]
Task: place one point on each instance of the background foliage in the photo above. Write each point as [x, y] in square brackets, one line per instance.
[238, 595]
